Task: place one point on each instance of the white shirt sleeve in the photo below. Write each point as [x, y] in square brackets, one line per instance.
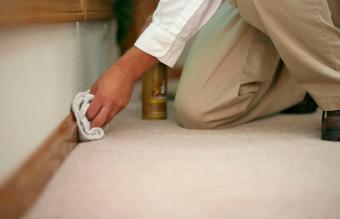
[173, 24]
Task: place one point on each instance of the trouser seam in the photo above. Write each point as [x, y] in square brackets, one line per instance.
[330, 97]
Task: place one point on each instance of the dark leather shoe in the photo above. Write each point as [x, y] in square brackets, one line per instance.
[308, 105]
[331, 126]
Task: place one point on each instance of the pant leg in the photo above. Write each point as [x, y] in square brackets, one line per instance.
[307, 39]
[233, 74]
[334, 6]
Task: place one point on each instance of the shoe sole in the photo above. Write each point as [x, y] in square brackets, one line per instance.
[331, 136]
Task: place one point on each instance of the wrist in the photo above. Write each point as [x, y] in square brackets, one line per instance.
[135, 62]
[126, 74]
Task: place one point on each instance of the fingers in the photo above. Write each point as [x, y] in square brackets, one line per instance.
[101, 117]
[94, 109]
[93, 89]
[111, 115]
[100, 113]
[98, 122]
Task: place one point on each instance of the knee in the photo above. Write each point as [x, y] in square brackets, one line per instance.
[271, 6]
[190, 114]
[260, 2]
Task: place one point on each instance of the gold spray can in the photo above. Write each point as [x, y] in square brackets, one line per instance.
[154, 94]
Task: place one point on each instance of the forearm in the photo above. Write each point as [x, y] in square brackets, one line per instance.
[135, 62]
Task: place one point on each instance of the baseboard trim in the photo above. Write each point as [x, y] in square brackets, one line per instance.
[21, 190]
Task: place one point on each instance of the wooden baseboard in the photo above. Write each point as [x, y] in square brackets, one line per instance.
[21, 190]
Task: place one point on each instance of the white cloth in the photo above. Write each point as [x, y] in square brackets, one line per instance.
[80, 106]
[174, 23]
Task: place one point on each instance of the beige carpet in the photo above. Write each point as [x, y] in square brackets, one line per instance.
[269, 169]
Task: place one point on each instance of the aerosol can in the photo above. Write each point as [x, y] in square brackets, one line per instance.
[154, 94]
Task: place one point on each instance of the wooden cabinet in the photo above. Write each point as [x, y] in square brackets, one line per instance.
[32, 11]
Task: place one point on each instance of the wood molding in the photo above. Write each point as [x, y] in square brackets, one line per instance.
[16, 12]
[21, 190]
[98, 9]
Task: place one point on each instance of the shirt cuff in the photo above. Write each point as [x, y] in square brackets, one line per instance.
[161, 44]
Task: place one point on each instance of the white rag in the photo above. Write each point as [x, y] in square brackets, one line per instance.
[79, 107]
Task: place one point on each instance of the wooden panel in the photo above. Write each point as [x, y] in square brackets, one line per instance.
[98, 9]
[20, 191]
[32, 11]
[28, 11]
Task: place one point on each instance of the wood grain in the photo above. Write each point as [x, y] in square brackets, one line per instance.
[29, 11]
[16, 12]
[20, 191]
[98, 9]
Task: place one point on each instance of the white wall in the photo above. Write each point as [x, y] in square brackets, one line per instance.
[41, 69]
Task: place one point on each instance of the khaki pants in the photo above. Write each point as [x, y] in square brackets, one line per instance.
[259, 57]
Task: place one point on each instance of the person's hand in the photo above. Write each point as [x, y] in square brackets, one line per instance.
[112, 93]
